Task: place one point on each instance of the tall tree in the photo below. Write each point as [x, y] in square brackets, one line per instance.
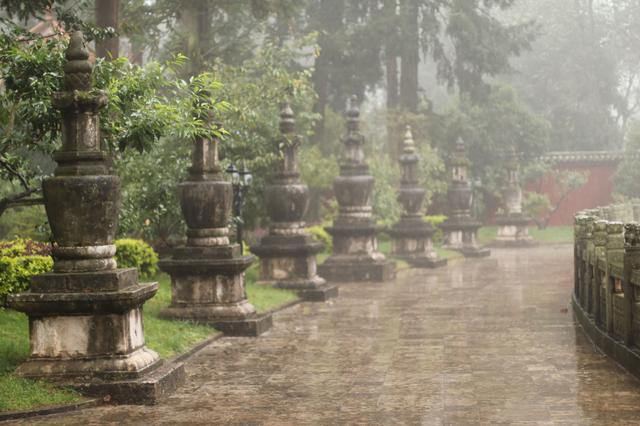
[410, 59]
[107, 13]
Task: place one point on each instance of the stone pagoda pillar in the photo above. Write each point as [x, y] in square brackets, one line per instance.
[207, 274]
[288, 253]
[513, 225]
[355, 245]
[85, 318]
[460, 229]
[412, 236]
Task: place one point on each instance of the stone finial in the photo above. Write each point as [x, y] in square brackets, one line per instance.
[599, 232]
[408, 145]
[353, 114]
[632, 235]
[287, 119]
[78, 69]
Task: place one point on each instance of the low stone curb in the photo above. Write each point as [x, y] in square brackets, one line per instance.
[45, 411]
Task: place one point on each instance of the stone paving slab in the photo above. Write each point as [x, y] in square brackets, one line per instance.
[481, 342]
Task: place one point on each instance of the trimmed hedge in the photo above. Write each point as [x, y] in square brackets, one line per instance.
[132, 253]
[20, 259]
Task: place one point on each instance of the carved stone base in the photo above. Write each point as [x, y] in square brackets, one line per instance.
[357, 269]
[86, 332]
[145, 390]
[207, 284]
[474, 252]
[419, 261]
[289, 262]
[253, 326]
[94, 335]
[513, 232]
[461, 234]
[321, 294]
[411, 242]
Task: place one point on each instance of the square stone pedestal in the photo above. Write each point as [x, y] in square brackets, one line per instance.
[461, 235]
[355, 254]
[357, 269]
[513, 232]
[289, 262]
[86, 332]
[411, 242]
[207, 287]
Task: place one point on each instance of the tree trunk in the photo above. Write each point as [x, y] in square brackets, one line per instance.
[330, 20]
[107, 12]
[410, 59]
[391, 54]
[321, 85]
[391, 67]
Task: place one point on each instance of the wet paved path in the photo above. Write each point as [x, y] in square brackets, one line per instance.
[479, 342]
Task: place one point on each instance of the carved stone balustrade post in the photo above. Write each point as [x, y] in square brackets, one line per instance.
[355, 245]
[513, 225]
[288, 253]
[412, 236]
[460, 229]
[207, 274]
[631, 265]
[597, 284]
[611, 260]
[85, 318]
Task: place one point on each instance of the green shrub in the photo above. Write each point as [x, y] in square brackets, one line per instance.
[436, 219]
[318, 232]
[20, 259]
[132, 253]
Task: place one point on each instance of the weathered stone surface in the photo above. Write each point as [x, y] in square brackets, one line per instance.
[477, 343]
[207, 275]
[460, 229]
[355, 246]
[288, 253]
[85, 318]
[513, 225]
[411, 236]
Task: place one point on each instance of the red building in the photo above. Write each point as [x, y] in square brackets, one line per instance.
[599, 168]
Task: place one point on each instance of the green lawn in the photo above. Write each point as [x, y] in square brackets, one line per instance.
[265, 298]
[487, 234]
[555, 234]
[17, 393]
[168, 338]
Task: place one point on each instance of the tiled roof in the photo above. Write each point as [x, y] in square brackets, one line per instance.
[585, 157]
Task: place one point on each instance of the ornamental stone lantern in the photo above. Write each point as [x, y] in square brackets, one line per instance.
[207, 274]
[355, 246]
[288, 253]
[412, 236]
[85, 318]
[513, 225]
[460, 229]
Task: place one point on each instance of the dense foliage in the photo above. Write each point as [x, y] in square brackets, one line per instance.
[21, 259]
[132, 253]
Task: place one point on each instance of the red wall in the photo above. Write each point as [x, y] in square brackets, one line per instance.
[596, 192]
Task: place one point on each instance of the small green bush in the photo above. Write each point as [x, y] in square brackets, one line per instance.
[318, 232]
[132, 253]
[20, 259]
[436, 220]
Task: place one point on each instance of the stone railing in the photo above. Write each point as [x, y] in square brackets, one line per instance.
[606, 298]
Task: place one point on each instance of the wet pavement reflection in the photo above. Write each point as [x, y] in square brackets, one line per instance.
[488, 341]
